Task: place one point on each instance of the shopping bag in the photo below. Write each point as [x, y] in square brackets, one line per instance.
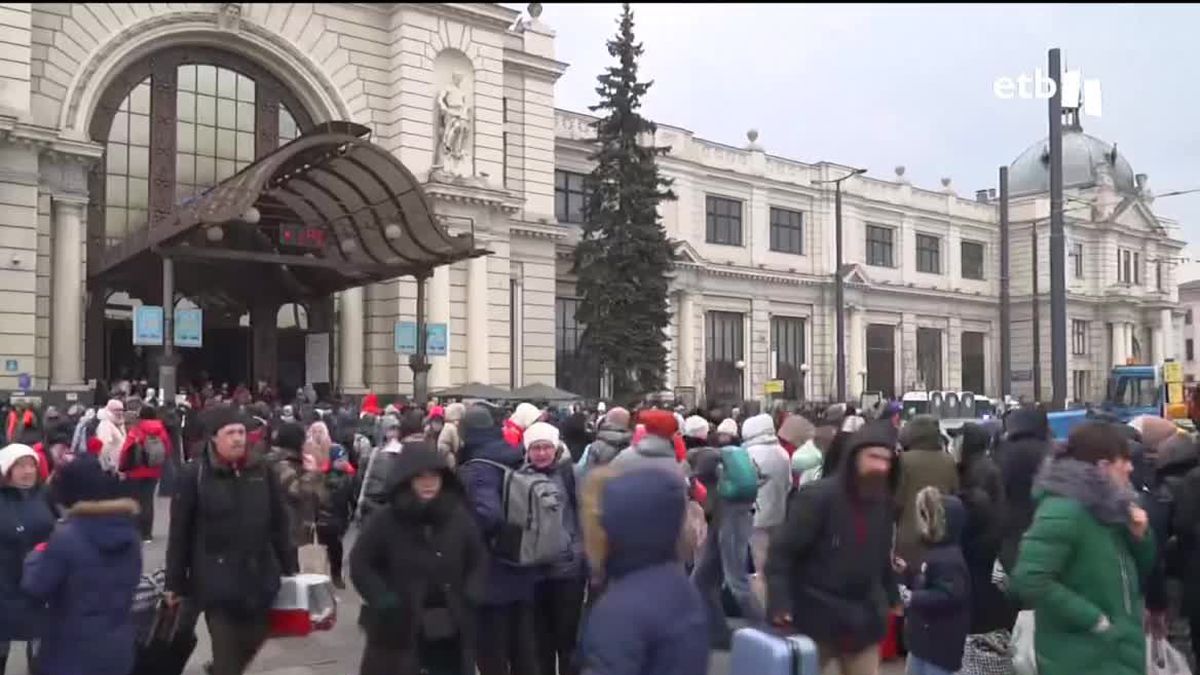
[1024, 653]
[313, 557]
[988, 654]
[1163, 659]
[167, 646]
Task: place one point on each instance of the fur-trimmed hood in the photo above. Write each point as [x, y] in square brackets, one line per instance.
[107, 524]
[1087, 484]
[105, 507]
[941, 518]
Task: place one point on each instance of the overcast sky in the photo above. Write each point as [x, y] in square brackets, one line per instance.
[881, 85]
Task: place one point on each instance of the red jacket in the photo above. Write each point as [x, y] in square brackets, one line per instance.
[136, 435]
[513, 434]
[43, 465]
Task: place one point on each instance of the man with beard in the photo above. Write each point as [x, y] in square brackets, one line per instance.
[829, 569]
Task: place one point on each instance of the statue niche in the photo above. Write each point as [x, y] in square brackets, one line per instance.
[453, 112]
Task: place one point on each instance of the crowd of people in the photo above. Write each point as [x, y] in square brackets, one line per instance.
[535, 540]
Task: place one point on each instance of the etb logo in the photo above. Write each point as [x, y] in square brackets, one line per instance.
[1078, 93]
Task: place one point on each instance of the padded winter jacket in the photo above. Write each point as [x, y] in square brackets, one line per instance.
[26, 520]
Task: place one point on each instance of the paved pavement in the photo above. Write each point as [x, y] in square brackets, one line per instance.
[335, 652]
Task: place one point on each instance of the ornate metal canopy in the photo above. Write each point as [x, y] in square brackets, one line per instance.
[328, 211]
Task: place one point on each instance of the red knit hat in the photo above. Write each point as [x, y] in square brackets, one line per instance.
[659, 422]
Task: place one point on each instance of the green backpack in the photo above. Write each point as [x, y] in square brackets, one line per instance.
[739, 475]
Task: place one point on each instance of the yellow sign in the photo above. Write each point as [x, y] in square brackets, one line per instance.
[1173, 372]
[773, 387]
[1175, 392]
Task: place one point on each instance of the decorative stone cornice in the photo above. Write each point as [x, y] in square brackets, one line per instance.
[534, 65]
[48, 142]
[490, 15]
[538, 231]
[499, 200]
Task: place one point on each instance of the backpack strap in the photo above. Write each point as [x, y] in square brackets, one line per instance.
[489, 462]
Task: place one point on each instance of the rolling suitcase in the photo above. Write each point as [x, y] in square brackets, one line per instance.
[757, 652]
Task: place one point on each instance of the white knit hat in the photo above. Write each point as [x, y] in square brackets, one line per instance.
[727, 427]
[13, 452]
[539, 432]
[525, 415]
[696, 427]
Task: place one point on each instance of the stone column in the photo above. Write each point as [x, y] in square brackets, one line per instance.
[477, 320]
[438, 311]
[264, 331]
[1118, 338]
[686, 348]
[67, 291]
[857, 353]
[1167, 330]
[351, 327]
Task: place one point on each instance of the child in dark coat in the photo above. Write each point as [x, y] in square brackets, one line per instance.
[87, 573]
[938, 606]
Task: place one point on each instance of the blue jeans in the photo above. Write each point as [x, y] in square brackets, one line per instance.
[30, 649]
[918, 666]
[725, 558]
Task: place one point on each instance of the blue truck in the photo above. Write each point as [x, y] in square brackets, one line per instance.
[1133, 390]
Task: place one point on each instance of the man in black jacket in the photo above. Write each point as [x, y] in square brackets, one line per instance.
[829, 569]
[1020, 455]
[229, 542]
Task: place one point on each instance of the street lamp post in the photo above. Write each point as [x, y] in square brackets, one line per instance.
[839, 283]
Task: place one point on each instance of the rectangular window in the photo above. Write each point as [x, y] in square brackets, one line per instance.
[1079, 337]
[787, 344]
[724, 348]
[929, 254]
[1076, 256]
[1187, 318]
[1126, 266]
[1079, 385]
[879, 246]
[514, 333]
[1137, 269]
[929, 358]
[573, 371]
[1189, 348]
[570, 197]
[787, 231]
[1158, 276]
[881, 359]
[972, 260]
[974, 362]
[724, 221]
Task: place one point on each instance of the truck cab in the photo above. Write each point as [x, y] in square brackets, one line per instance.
[1133, 390]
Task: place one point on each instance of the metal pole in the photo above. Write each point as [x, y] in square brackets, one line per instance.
[1036, 323]
[166, 369]
[1005, 308]
[1058, 278]
[419, 362]
[839, 295]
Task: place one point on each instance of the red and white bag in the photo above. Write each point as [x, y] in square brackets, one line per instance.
[305, 603]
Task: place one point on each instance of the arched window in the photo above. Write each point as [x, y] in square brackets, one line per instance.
[177, 123]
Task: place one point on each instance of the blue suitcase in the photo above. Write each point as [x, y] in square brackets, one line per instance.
[757, 652]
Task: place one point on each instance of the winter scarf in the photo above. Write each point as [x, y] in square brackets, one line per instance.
[1087, 484]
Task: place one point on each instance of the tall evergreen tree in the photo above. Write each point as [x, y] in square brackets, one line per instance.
[623, 257]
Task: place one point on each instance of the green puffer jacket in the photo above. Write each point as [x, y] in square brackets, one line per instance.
[1077, 563]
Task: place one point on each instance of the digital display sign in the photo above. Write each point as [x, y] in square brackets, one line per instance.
[302, 236]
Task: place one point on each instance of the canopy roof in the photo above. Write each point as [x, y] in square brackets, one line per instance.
[328, 211]
[474, 390]
[542, 392]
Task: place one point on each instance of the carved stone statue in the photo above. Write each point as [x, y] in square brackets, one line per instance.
[454, 113]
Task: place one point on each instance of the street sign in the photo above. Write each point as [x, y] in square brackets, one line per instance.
[773, 387]
[24, 381]
[316, 358]
[1173, 371]
[437, 338]
[148, 325]
[11, 365]
[189, 328]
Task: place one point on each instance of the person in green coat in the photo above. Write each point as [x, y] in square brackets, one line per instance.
[1081, 562]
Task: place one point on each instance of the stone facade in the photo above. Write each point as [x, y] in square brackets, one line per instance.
[380, 65]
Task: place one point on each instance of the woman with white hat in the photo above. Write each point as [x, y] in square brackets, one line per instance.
[26, 520]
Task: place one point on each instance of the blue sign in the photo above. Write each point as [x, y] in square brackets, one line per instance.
[189, 328]
[148, 325]
[437, 342]
[11, 365]
[24, 382]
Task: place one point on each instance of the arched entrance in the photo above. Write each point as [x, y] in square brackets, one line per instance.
[217, 187]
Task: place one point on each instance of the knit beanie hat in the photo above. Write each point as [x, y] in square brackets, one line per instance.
[880, 433]
[290, 436]
[539, 432]
[727, 427]
[82, 480]
[477, 417]
[525, 415]
[11, 453]
[696, 427]
[658, 422]
[219, 417]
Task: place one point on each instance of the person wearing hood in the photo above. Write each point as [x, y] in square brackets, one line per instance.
[1174, 510]
[111, 432]
[727, 433]
[770, 507]
[141, 476]
[80, 438]
[923, 463]
[86, 575]
[981, 490]
[794, 432]
[516, 424]
[1025, 447]
[829, 568]
[1082, 560]
[230, 541]
[650, 619]
[937, 599]
[449, 440]
[558, 593]
[613, 435]
[420, 566]
[26, 519]
[506, 638]
[377, 479]
[656, 448]
[575, 434]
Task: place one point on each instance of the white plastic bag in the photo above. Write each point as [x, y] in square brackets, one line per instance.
[1163, 659]
[1024, 653]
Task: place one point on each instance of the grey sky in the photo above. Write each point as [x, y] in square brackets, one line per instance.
[882, 85]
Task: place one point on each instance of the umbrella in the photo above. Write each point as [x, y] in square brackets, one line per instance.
[543, 392]
[473, 390]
